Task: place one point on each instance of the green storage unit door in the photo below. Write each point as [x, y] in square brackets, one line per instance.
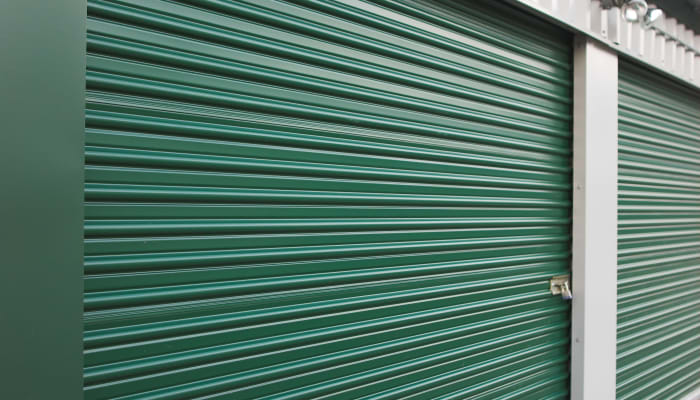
[658, 345]
[314, 199]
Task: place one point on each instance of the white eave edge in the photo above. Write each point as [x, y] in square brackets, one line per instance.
[668, 47]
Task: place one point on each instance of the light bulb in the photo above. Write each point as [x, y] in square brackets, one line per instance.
[652, 15]
[634, 10]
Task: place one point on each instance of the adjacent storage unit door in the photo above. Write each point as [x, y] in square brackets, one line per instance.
[658, 348]
[316, 199]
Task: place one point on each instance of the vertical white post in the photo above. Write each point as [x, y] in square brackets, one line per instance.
[594, 259]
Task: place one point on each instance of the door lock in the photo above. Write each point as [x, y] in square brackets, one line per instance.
[561, 284]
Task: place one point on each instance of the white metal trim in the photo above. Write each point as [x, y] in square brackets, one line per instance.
[695, 395]
[670, 47]
[594, 247]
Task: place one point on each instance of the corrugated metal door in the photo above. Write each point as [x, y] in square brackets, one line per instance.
[310, 199]
[659, 238]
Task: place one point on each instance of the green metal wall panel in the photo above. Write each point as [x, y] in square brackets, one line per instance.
[42, 117]
[658, 346]
[312, 199]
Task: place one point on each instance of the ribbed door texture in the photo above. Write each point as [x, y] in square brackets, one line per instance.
[325, 199]
[658, 345]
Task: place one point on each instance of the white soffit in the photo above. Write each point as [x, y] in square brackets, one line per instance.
[668, 46]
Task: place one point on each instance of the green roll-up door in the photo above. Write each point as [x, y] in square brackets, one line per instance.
[312, 199]
[658, 345]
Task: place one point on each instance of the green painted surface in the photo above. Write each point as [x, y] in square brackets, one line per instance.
[658, 347]
[313, 199]
[42, 115]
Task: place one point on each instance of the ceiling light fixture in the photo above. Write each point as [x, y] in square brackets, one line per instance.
[634, 10]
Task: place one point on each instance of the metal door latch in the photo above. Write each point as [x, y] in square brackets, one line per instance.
[560, 284]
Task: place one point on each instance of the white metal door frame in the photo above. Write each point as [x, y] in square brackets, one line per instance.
[594, 247]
